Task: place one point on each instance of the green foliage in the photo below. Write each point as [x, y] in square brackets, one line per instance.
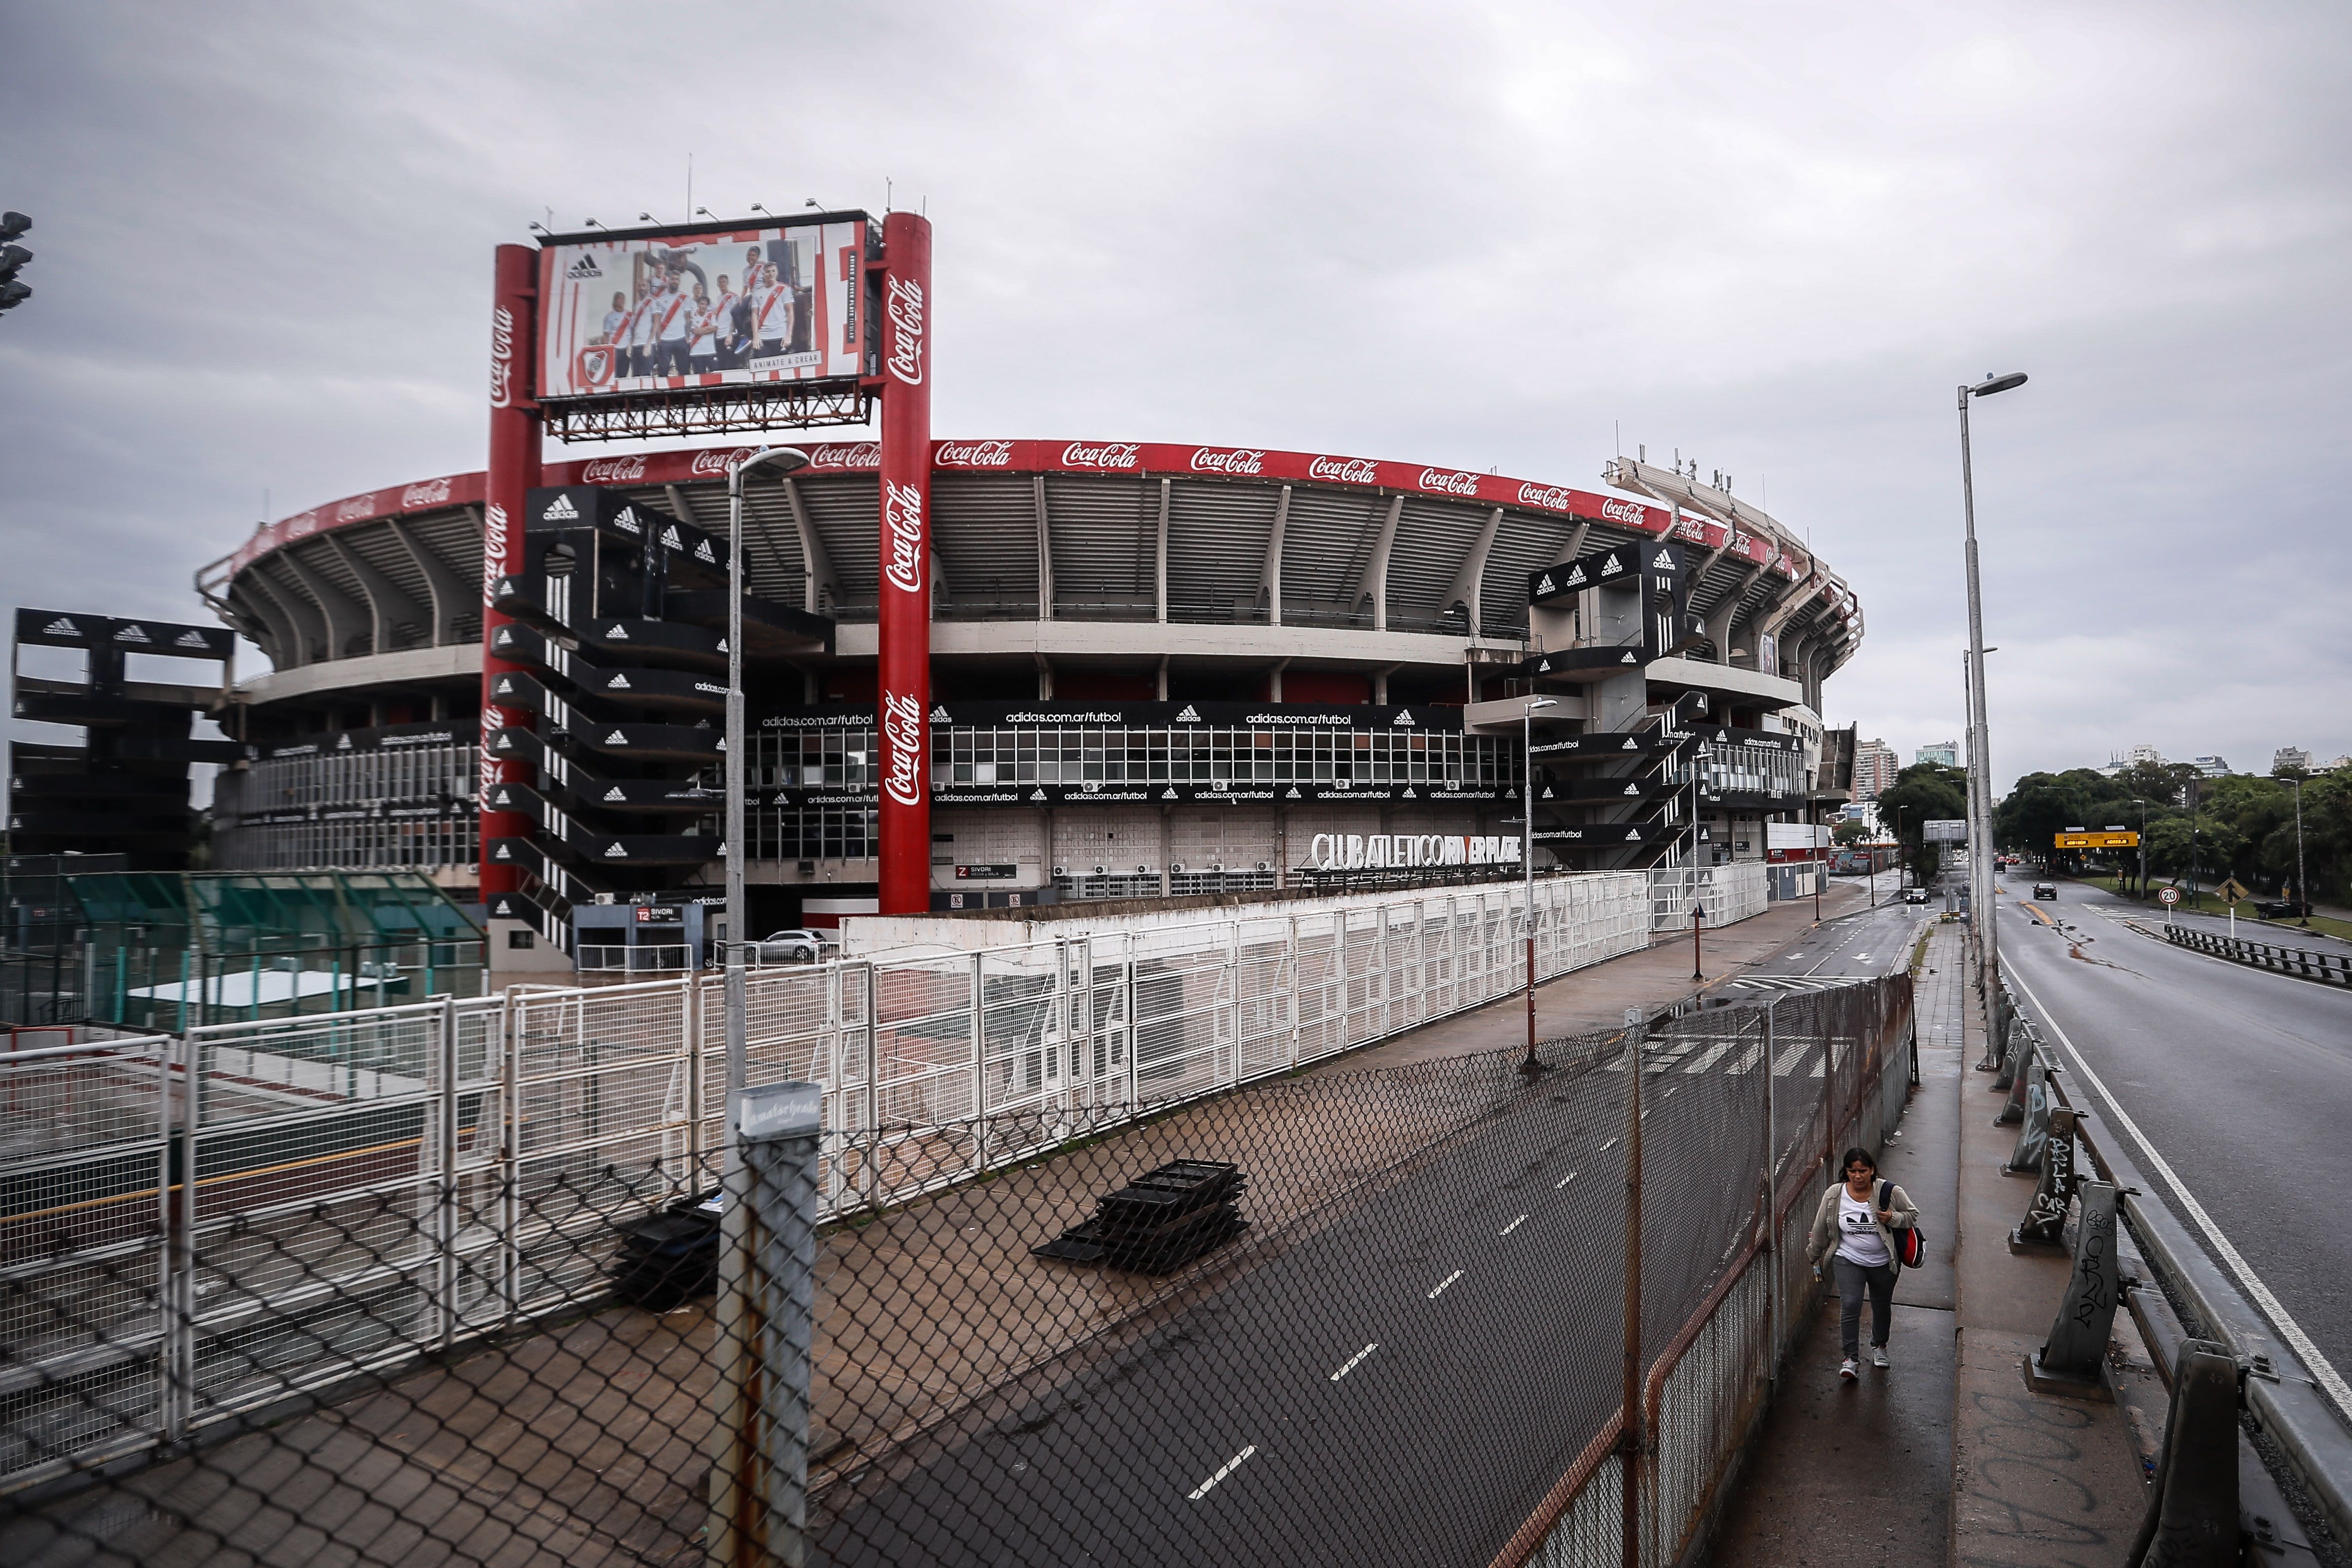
[2237, 826]
[1848, 831]
[1923, 792]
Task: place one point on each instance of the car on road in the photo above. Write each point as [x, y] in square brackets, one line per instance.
[1914, 896]
[797, 946]
[2045, 890]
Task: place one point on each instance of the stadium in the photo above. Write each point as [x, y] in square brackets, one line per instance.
[1157, 671]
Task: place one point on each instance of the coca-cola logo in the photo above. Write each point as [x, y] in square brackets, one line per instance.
[1118, 455]
[902, 537]
[494, 558]
[1223, 460]
[1346, 470]
[432, 493]
[854, 455]
[301, 525]
[613, 471]
[1624, 511]
[902, 748]
[355, 509]
[975, 454]
[902, 305]
[713, 463]
[502, 331]
[1450, 484]
[1550, 498]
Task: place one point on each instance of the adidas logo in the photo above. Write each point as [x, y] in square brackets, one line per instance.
[1627, 659]
[722, 645]
[1405, 718]
[504, 853]
[191, 640]
[618, 684]
[133, 632]
[1544, 667]
[1546, 585]
[1576, 577]
[506, 685]
[506, 587]
[614, 851]
[61, 627]
[619, 634]
[1294, 793]
[561, 509]
[1610, 565]
[1167, 794]
[939, 715]
[1036, 794]
[1546, 794]
[343, 743]
[585, 267]
[1665, 562]
[1633, 788]
[1631, 745]
[1632, 835]
[1190, 715]
[669, 538]
[614, 794]
[1409, 794]
[702, 552]
[616, 739]
[626, 521]
[503, 743]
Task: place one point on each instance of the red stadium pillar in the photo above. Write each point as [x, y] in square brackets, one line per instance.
[905, 630]
[513, 470]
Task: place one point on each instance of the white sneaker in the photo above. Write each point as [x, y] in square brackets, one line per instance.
[1878, 1356]
[1848, 1372]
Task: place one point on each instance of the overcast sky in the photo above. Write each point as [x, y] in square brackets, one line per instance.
[1770, 236]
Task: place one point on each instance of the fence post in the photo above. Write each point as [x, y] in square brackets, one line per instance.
[870, 1163]
[766, 1313]
[1630, 1441]
[179, 1369]
[1297, 975]
[510, 1050]
[2074, 1359]
[445, 1232]
[978, 1067]
[694, 1163]
[1772, 1207]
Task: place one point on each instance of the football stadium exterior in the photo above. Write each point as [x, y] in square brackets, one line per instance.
[1156, 671]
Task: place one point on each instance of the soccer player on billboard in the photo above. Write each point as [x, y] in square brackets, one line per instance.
[673, 324]
[772, 325]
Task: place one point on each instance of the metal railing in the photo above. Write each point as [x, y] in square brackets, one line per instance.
[2328, 968]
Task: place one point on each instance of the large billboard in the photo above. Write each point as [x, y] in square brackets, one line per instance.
[656, 310]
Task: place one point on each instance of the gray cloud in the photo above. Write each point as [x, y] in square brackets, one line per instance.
[1774, 236]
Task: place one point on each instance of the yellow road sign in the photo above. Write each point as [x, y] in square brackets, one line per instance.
[2231, 892]
[2108, 841]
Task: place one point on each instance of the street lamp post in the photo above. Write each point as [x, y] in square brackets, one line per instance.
[1699, 910]
[2302, 894]
[1980, 763]
[785, 458]
[1527, 854]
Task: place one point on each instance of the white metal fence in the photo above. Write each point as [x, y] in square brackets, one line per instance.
[1728, 892]
[194, 1226]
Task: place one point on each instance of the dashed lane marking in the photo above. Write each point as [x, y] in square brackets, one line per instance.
[1563, 1181]
[1604, 1148]
[1443, 1283]
[1343, 1370]
[1230, 1466]
[1513, 1226]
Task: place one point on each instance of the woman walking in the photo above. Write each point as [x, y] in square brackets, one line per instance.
[1854, 1230]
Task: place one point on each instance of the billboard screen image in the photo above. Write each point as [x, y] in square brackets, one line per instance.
[661, 309]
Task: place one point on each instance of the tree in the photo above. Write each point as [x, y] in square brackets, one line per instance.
[1849, 831]
[1923, 792]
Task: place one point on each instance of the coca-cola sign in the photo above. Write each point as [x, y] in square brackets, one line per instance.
[1631, 512]
[1227, 460]
[432, 493]
[902, 305]
[613, 471]
[902, 748]
[358, 506]
[1449, 484]
[1118, 455]
[902, 537]
[713, 462]
[1346, 470]
[859, 455]
[494, 554]
[1551, 498]
[503, 366]
[974, 454]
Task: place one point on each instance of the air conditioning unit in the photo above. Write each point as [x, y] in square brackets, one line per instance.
[1175, 868]
[1102, 870]
[1219, 867]
[1265, 865]
[1061, 871]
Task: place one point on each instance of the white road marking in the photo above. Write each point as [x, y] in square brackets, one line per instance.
[1786, 1062]
[1512, 1226]
[1563, 1181]
[1604, 1148]
[1443, 1283]
[1747, 1059]
[2322, 1371]
[1231, 1464]
[1708, 1058]
[1344, 1371]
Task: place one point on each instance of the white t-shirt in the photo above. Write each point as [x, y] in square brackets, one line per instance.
[773, 314]
[1858, 1236]
[673, 315]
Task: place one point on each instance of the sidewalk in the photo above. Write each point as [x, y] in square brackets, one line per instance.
[1947, 1457]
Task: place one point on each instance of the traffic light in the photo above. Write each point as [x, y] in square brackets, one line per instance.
[13, 257]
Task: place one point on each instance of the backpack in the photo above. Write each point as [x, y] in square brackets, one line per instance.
[1910, 1245]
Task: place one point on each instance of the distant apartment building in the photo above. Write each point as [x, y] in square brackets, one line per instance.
[1947, 752]
[1876, 764]
[2211, 766]
[2120, 760]
[2290, 759]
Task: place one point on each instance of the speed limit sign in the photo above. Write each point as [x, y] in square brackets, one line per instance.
[2167, 896]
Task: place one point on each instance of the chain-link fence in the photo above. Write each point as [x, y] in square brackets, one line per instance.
[438, 1288]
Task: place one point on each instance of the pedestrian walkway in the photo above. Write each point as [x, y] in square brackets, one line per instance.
[1946, 1457]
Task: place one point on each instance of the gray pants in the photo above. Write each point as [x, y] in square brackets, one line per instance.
[1852, 1279]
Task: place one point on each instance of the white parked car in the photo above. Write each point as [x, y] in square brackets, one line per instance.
[801, 947]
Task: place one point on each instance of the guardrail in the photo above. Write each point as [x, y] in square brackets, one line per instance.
[2310, 1426]
[2328, 968]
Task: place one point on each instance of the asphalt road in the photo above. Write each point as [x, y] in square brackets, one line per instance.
[1870, 942]
[2240, 1079]
[1402, 1385]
